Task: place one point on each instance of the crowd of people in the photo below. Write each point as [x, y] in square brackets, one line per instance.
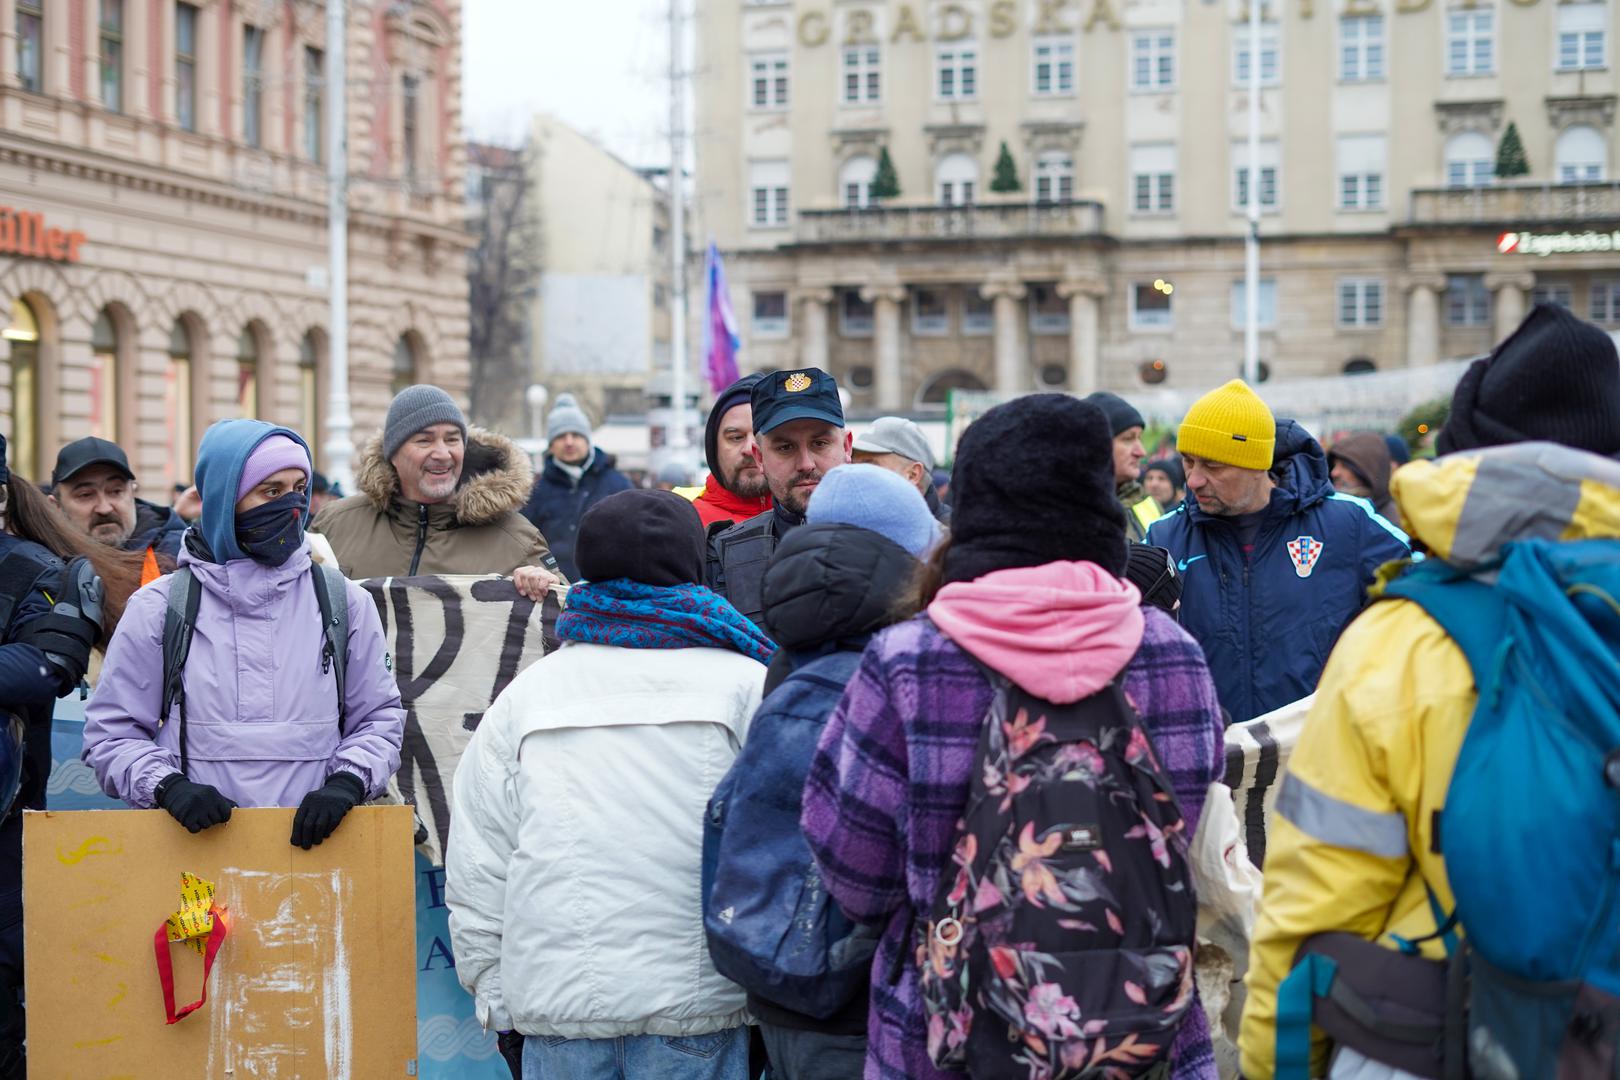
[851, 767]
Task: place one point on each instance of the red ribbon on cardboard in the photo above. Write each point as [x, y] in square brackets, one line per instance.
[160, 944]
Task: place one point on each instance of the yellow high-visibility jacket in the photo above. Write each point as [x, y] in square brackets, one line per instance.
[1351, 845]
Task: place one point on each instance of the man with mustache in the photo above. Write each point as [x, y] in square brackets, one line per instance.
[799, 436]
[95, 488]
[736, 489]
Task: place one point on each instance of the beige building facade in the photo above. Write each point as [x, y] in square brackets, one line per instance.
[1388, 240]
[163, 237]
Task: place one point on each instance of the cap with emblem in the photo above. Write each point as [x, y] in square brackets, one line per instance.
[896, 435]
[80, 454]
[798, 394]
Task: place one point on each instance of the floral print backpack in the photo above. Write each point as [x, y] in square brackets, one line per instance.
[1063, 945]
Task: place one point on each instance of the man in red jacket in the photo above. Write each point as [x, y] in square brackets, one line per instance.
[736, 489]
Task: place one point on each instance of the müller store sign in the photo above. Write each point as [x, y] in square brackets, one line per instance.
[24, 233]
[1563, 243]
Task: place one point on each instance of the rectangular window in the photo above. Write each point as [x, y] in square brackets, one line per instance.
[978, 314]
[862, 81]
[1150, 306]
[1268, 304]
[1048, 312]
[252, 85]
[1580, 174]
[410, 91]
[112, 55]
[929, 317]
[1581, 28]
[768, 82]
[185, 66]
[1606, 301]
[1361, 161]
[1361, 303]
[956, 193]
[314, 102]
[1153, 179]
[1153, 60]
[1562, 295]
[1268, 168]
[1477, 172]
[1054, 186]
[854, 314]
[770, 314]
[1053, 64]
[1468, 301]
[30, 44]
[957, 72]
[1471, 42]
[768, 193]
[1361, 48]
[1270, 56]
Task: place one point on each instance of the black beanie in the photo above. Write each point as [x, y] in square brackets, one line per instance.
[1555, 378]
[1033, 484]
[736, 394]
[654, 537]
[1122, 415]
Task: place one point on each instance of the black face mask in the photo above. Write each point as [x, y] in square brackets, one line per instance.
[272, 532]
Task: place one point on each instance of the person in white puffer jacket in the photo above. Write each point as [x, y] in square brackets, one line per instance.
[573, 871]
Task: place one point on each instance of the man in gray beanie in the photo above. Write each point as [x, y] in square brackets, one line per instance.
[575, 476]
[438, 497]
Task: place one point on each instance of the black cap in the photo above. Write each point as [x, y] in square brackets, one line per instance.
[796, 394]
[654, 537]
[83, 453]
[1122, 415]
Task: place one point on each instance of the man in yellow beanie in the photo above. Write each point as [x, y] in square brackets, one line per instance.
[1274, 561]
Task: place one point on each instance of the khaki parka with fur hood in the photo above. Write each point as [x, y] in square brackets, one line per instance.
[380, 533]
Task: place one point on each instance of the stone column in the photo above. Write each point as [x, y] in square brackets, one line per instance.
[1510, 300]
[1005, 294]
[816, 304]
[887, 384]
[139, 24]
[1085, 357]
[1423, 318]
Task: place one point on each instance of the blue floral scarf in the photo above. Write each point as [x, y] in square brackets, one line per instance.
[636, 616]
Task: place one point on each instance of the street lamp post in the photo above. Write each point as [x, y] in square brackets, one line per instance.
[339, 424]
[1251, 243]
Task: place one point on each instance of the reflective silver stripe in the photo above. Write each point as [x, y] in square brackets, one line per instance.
[1521, 492]
[1339, 823]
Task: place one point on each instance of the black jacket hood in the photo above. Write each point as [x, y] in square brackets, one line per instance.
[831, 583]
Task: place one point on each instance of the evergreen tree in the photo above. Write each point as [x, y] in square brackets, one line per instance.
[885, 185]
[1510, 158]
[1006, 177]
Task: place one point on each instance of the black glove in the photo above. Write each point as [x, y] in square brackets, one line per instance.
[196, 806]
[318, 815]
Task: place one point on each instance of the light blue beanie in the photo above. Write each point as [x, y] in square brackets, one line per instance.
[872, 497]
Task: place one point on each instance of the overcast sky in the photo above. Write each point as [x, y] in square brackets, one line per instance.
[600, 65]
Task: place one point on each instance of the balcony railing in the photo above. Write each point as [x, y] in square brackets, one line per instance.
[1516, 204]
[997, 221]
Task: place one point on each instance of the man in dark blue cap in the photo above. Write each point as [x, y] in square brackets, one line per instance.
[799, 436]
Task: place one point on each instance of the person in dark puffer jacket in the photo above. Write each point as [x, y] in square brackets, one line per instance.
[576, 477]
[831, 585]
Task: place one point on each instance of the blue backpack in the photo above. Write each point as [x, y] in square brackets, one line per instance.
[1531, 827]
[771, 926]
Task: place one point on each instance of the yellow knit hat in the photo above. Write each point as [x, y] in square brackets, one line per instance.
[1230, 425]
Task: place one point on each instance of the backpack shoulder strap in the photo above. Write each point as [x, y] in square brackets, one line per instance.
[1471, 612]
[179, 623]
[332, 595]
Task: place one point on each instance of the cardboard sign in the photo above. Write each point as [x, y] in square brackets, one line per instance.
[1257, 754]
[314, 980]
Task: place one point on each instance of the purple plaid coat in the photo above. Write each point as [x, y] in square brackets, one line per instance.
[890, 780]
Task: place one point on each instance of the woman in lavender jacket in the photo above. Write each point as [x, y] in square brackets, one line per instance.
[262, 725]
[1027, 586]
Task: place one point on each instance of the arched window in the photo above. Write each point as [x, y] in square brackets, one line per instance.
[404, 363]
[247, 373]
[310, 353]
[104, 377]
[1582, 155]
[937, 390]
[1360, 365]
[855, 182]
[22, 334]
[177, 404]
[1470, 160]
[955, 179]
[1054, 177]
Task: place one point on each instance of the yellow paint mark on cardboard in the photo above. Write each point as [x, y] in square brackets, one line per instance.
[95, 845]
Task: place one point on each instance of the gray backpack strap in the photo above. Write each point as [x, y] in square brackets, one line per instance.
[179, 623]
[332, 594]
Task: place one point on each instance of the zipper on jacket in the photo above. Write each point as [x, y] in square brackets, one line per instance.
[421, 539]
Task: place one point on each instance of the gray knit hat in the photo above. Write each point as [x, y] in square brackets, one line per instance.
[415, 408]
[567, 418]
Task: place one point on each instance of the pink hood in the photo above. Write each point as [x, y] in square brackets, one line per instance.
[1061, 631]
